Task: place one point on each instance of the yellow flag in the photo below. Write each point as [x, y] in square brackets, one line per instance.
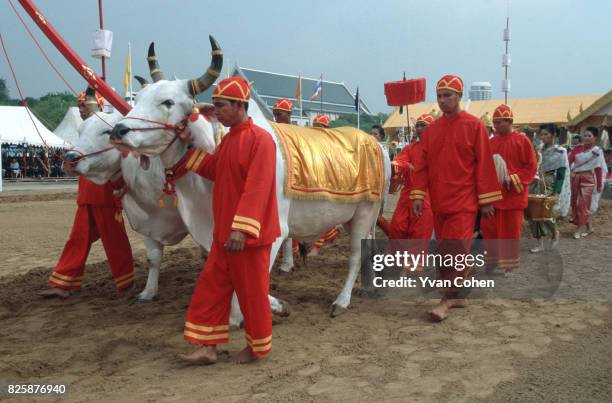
[127, 76]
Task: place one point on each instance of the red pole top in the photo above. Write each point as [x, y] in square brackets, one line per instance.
[75, 60]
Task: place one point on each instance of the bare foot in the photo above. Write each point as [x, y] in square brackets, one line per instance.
[205, 355]
[313, 252]
[54, 292]
[245, 356]
[440, 312]
[127, 292]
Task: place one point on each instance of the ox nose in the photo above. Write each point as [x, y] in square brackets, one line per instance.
[119, 131]
[71, 157]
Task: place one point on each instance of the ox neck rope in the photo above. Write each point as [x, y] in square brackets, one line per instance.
[171, 175]
[120, 189]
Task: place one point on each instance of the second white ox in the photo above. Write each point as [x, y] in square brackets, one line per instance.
[160, 227]
[149, 128]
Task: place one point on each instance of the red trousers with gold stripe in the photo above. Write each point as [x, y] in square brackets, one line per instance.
[247, 273]
[404, 225]
[90, 224]
[454, 233]
[329, 237]
[502, 234]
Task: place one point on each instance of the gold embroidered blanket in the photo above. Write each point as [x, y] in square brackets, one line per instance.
[343, 165]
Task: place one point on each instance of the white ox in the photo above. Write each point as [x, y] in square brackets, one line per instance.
[168, 102]
[160, 227]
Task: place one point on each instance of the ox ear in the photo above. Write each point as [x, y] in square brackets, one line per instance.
[207, 110]
[202, 83]
[154, 70]
[142, 81]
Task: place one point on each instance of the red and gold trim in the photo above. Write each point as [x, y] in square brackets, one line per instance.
[503, 112]
[329, 236]
[195, 160]
[417, 195]
[425, 118]
[283, 104]
[507, 264]
[233, 88]
[246, 224]
[201, 334]
[260, 347]
[322, 120]
[516, 181]
[450, 82]
[65, 282]
[125, 281]
[487, 198]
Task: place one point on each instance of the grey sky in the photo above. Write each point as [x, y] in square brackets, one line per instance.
[559, 47]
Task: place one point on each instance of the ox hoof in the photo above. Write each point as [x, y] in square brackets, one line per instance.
[285, 309]
[236, 326]
[145, 298]
[336, 310]
[284, 271]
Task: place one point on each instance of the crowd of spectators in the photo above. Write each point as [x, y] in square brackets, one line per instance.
[28, 161]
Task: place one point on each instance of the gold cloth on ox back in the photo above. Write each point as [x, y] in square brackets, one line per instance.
[343, 165]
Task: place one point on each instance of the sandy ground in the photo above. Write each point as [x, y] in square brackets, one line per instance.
[108, 349]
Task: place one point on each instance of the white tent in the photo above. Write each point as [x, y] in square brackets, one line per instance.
[68, 129]
[16, 127]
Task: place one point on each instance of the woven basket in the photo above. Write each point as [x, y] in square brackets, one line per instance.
[540, 207]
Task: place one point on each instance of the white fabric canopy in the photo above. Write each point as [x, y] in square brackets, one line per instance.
[68, 129]
[16, 127]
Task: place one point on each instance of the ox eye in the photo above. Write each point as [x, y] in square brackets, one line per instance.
[168, 103]
[107, 132]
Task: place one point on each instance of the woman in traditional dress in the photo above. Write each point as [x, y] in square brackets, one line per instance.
[588, 168]
[553, 179]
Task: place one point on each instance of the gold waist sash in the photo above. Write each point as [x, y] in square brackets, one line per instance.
[342, 165]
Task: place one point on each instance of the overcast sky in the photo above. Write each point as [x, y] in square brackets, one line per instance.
[558, 47]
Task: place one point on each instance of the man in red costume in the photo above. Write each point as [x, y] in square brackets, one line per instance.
[98, 216]
[404, 224]
[245, 211]
[330, 236]
[518, 153]
[456, 166]
[321, 121]
[282, 111]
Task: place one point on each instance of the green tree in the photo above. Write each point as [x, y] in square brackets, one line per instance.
[366, 121]
[4, 92]
[51, 108]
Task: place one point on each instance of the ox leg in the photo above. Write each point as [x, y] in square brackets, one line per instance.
[236, 318]
[278, 306]
[287, 263]
[359, 227]
[155, 250]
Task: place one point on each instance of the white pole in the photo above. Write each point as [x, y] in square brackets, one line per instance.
[131, 89]
[301, 106]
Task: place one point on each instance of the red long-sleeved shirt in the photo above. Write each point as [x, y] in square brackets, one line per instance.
[518, 152]
[456, 166]
[243, 168]
[405, 165]
[95, 195]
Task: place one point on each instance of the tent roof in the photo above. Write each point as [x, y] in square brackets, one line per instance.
[68, 128]
[527, 111]
[16, 127]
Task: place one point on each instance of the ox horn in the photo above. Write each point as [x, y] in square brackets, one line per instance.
[156, 73]
[91, 101]
[202, 83]
[142, 81]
